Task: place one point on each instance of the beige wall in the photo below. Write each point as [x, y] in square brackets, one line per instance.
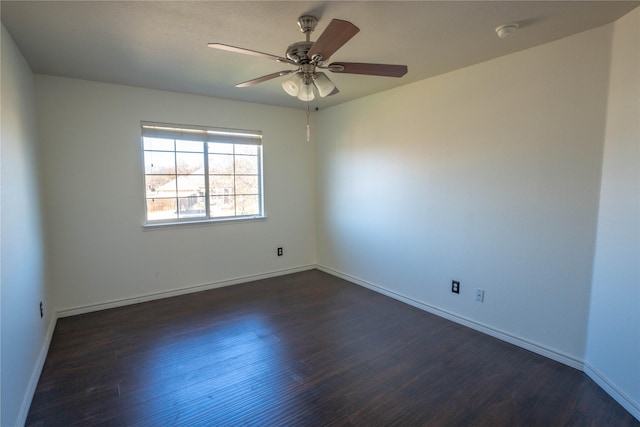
[613, 350]
[491, 175]
[23, 281]
[93, 177]
[488, 175]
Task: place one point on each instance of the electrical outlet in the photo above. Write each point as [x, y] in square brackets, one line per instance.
[455, 287]
[280, 252]
[41, 310]
[480, 295]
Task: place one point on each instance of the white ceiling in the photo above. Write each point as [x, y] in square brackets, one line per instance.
[163, 44]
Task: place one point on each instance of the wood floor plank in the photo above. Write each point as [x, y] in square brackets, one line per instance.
[302, 349]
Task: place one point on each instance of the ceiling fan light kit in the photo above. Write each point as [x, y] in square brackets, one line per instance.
[306, 93]
[324, 85]
[293, 84]
[309, 57]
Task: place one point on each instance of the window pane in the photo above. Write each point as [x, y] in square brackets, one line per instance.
[192, 146]
[189, 162]
[220, 185]
[246, 149]
[160, 185]
[247, 205]
[182, 184]
[222, 206]
[160, 162]
[191, 207]
[159, 209]
[221, 164]
[190, 185]
[246, 165]
[220, 148]
[247, 184]
[159, 144]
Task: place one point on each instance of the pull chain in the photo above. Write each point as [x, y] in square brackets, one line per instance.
[308, 126]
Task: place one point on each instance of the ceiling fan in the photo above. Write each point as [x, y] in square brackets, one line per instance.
[309, 57]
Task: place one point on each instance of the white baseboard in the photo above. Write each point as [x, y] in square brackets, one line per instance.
[600, 379]
[614, 391]
[37, 370]
[608, 386]
[182, 291]
[504, 336]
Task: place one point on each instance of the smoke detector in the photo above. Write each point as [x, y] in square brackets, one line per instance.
[504, 31]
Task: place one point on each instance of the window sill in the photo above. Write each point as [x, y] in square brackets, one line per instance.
[164, 225]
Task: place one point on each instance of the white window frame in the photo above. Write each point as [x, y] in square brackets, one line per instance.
[204, 134]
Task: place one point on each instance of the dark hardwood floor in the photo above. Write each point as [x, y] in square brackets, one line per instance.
[302, 349]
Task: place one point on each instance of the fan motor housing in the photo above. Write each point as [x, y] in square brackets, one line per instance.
[297, 52]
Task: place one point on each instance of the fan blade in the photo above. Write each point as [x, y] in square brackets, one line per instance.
[386, 70]
[244, 51]
[264, 78]
[336, 34]
[334, 91]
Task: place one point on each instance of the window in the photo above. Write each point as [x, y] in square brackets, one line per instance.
[198, 173]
